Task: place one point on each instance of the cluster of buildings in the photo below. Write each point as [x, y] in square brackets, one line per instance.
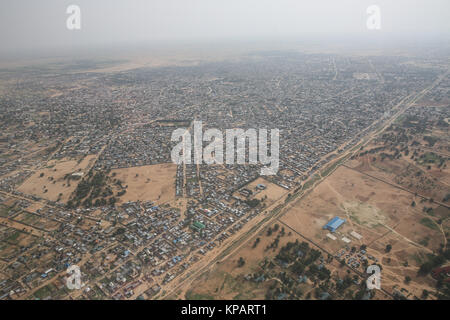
[126, 119]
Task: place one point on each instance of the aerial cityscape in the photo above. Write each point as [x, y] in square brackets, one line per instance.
[93, 207]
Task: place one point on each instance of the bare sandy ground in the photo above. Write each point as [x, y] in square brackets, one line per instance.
[53, 179]
[148, 183]
[271, 194]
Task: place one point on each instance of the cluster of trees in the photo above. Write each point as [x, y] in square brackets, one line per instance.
[442, 123]
[387, 155]
[372, 151]
[276, 241]
[274, 244]
[121, 193]
[321, 273]
[86, 185]
[252, 203]
[443, 290]
[395, 138]
[94, 191]
[342, 285]
[273, 292]
[416, 124]
[300, 256]
[434, 261]
[286, 290]
[270, 230]
[430, 140]
[291, 251]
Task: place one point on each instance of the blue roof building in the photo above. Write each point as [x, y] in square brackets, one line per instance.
[334, 223]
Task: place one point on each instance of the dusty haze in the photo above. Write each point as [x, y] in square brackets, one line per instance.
[28, 27]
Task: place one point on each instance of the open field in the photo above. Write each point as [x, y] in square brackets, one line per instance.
[148, 183]
[382, 215]
[269, 195]
[50, 182]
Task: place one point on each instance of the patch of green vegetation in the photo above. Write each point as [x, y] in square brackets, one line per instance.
[430, 140]
[61, 293]
[419, 258]
[13, 237]
[29, 218]
[277, 209]
[190, 295]
[4, 211]
[355, 218]
[252, 203]
[244, 296]
[311, 181]
[99, 295]
[400, 119]
[424, 241]
[359, 145]
[434, 261]
[330, 168]
[429, 157]
[43, 292]
[427, 222]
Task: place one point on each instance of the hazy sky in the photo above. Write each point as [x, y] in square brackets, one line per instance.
[26, 25]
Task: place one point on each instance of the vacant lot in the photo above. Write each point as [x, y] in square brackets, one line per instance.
[147, 183]
[270, 194]
[50, 182]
